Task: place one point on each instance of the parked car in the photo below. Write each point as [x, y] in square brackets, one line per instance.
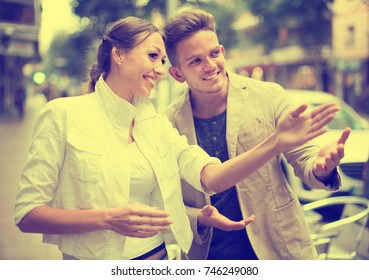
[356, 148]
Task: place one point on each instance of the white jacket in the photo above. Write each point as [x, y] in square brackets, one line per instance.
[78, 161]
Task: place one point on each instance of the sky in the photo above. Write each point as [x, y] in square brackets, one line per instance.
[56, 16]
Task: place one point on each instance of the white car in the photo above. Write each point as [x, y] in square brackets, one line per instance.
[356, 148]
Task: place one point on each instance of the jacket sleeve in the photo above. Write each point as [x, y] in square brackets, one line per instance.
[201, 235]
[191, 159]
[45, 158]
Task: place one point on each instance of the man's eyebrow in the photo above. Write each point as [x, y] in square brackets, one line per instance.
[197, 55]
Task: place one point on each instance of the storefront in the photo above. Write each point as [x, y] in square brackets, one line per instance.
[19, 29]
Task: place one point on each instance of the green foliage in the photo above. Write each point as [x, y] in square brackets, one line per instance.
[77, 51]
[307, 22]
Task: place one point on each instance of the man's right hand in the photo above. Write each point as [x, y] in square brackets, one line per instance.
[210, 217]
[300, 125]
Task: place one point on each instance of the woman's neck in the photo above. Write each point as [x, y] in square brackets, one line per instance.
[115, 84]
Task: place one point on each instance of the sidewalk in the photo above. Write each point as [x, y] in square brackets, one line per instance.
[15, 138]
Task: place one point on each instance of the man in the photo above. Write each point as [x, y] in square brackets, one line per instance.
[227, 114]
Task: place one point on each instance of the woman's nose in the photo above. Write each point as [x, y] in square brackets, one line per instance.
[159, 70]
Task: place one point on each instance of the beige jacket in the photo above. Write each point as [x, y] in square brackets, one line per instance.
[253, 111]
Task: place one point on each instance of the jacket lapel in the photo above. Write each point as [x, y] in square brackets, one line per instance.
[184, 120]
[236, 111]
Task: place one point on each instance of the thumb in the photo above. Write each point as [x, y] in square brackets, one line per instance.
[344, 136]
[298, 111]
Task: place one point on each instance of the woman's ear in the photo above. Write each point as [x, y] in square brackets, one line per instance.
[117, 56]
[176, 74]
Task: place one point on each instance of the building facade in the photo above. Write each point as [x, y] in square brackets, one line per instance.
[19, 30]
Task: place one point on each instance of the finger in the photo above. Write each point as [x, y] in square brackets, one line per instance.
[298, 111]
[316, 133]
[328, 107]
[331, 164]
[326, 114]
[231, 225]
[322, 122]
[152, 221]
[321, 167]
[341, 151]
[249, 220]
[335, 159]
[149, 212]
[345, 134]
[140, 234]
[147, 228]
[207, 210]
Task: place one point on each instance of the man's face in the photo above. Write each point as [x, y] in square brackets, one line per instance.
[201, 63]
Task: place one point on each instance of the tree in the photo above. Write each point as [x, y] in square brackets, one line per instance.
[305, 23]
[76, 51]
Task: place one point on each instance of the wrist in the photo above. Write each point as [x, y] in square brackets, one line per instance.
[276, 146]
[200, 221]
[328, 178]
[105, 220]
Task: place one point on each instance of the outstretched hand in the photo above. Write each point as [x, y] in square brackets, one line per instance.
[300, 126]
[329, 156]
[211, 217]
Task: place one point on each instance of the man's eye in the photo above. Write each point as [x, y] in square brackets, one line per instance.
[215, 53]
[195, 61]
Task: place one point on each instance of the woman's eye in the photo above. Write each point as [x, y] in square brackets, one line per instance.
[153, 55]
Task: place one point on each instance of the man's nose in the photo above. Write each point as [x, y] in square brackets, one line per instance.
[209, 64]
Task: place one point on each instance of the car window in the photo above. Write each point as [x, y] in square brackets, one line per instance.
[344, 118]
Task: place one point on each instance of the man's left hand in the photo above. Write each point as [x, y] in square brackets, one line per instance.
[329, 157]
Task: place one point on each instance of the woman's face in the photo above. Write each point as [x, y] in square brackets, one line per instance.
[142, 66]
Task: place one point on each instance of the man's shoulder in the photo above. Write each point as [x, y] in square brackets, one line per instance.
[175, 106]
[253, 85]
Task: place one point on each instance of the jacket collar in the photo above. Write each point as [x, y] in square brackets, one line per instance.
[120, 110]
[184, 118]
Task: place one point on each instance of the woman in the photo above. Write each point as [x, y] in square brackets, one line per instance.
[103, 176]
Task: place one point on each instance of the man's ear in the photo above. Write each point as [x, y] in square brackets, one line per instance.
[222, 49]
[176, 74]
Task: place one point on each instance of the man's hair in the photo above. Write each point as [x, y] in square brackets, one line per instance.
[184, 25]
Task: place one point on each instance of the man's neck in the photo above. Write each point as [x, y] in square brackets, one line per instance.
[208, 106]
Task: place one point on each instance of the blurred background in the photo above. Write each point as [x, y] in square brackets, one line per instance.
[47, 48]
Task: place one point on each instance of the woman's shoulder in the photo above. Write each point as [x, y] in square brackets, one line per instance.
[72, 102]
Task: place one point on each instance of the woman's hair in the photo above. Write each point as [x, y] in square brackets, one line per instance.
[123, 34]
[184, 25]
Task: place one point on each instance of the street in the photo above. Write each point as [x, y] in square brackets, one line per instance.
[15, 136]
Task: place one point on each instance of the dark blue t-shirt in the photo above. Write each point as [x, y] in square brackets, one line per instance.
[225, 245]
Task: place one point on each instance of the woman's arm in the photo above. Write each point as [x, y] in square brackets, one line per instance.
[295, 129]
[134, 220]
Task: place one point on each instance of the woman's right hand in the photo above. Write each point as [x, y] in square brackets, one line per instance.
[136, 220]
